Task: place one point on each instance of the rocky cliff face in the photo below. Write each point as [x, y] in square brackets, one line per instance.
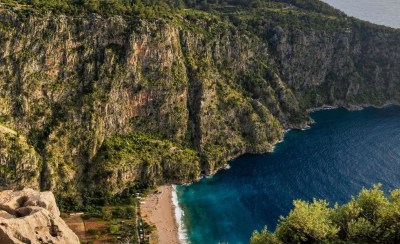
[29, 216]
[20, 164]
[349, 67]
[200, 87]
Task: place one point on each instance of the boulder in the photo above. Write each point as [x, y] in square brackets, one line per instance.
[29, 216]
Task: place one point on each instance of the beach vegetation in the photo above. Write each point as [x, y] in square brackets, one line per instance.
[93, 232]
[113, 229]
[107, 214]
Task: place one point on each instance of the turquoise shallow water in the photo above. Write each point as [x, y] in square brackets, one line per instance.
[343, 152]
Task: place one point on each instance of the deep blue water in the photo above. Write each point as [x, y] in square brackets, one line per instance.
[343, 152]
[383, 12]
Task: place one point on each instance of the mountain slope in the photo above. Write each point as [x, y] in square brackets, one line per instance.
[206, 83]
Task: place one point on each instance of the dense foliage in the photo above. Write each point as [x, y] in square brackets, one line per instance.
[15, 151]
[369, 218]
[137, 7]
[155, 159]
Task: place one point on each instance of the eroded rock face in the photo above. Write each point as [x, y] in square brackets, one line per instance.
[29, 216]
[19, 161]
[69, 84]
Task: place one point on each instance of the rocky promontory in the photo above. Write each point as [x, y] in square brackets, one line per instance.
[29, 216]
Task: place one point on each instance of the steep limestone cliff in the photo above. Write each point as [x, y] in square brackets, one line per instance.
[20, 164]
[197, 86]
[347, 68]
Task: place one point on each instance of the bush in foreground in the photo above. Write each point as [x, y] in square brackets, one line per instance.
[370, 218]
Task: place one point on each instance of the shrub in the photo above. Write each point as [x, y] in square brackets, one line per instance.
[107, 214]
[112, 229]
[93, 232]
[119, 212]
[369, 218]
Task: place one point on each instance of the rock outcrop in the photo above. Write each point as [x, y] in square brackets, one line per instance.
[29, 216]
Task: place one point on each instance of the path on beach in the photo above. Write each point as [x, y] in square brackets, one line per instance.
[158, 209]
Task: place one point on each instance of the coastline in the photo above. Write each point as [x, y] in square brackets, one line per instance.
[161, 208]
[158, 209]
[304, 127]
[179, 213]
[351, 107]
[285, 130]
[344, 123]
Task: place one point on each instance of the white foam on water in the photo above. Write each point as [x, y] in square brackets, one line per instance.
[179, 213]
[286, 131]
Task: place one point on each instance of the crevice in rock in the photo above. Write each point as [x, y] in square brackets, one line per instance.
[54, 230]
[22, 238]
[22, 200]
[23, 212]
[195, 93]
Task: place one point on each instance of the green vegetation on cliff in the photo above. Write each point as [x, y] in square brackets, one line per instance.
[136, 7]
[138, 155]
[369, 218]
[90, 83]
[19, 163]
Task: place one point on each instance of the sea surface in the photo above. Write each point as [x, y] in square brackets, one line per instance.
[383, 12]
[342, 153]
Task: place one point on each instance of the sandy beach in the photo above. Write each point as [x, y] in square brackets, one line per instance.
[158, 210]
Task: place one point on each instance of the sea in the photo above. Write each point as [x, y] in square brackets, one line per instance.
[339, 155]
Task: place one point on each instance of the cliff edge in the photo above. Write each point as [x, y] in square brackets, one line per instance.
[29, 216]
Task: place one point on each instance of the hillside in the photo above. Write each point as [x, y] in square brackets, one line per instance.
[127, 93]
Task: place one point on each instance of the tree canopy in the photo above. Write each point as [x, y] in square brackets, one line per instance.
[371, 217]
[131, 7]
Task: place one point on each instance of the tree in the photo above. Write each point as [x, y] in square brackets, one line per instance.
[91, 5]
[112, 229]
[369, 218]
[107, 214]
